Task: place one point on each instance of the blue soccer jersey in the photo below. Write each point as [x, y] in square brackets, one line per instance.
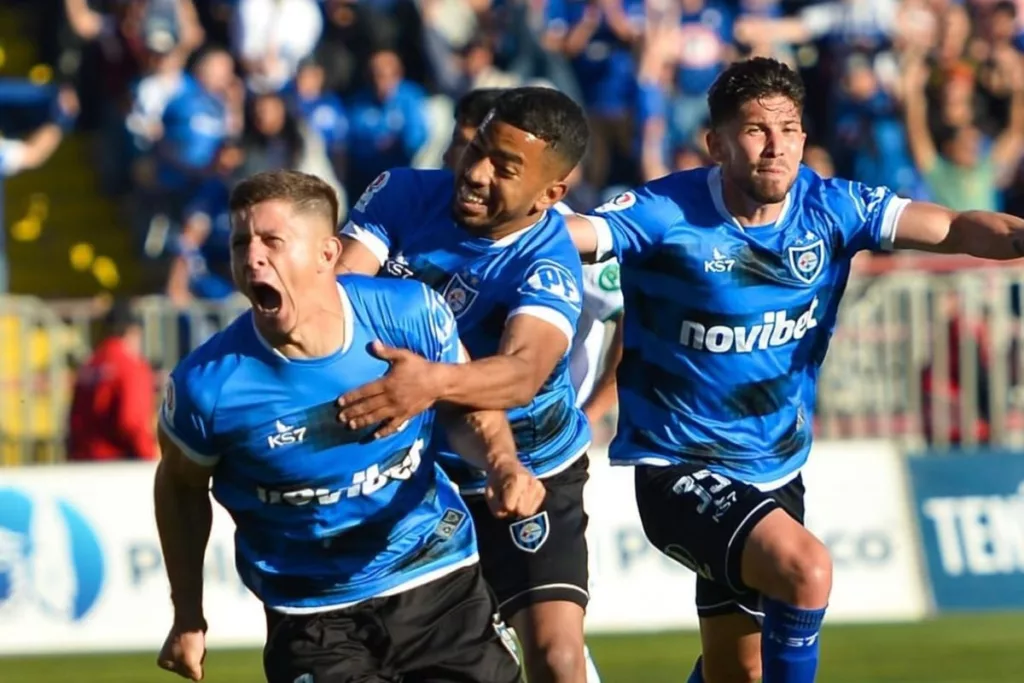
[405, 219]
[325, 516]
[726, 326]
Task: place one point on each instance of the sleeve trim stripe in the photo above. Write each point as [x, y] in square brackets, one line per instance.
[548, 315]
[603, 231]
[367, 239]
[890, 222]
[197, 458]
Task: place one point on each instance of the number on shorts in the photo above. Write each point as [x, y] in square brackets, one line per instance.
[692, 483]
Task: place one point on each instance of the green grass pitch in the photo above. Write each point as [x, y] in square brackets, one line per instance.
[961, 649]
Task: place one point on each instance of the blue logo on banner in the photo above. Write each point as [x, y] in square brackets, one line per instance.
[971, 514]
[50, 558]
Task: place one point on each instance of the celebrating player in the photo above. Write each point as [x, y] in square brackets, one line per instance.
[508, 268]
[732, 277]
[360, 549]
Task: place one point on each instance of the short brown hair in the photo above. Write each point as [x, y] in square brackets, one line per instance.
[307, 193]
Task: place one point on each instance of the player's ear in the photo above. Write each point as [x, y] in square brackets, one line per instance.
[714, 143]
[552, 195]
[330, 252]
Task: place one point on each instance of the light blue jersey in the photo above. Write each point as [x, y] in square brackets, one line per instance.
[726, 326]
[325, 516]
[405, 219]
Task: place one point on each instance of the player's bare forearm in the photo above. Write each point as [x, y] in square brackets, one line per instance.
[496, 383]
[584, 237]
[605, 392]
[183, 517]
[482, 437]
[985, 234]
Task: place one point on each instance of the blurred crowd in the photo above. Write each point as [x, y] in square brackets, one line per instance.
[183, 97]
[924, 96]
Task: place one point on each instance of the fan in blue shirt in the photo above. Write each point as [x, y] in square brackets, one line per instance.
[732, 277]
[356, 546]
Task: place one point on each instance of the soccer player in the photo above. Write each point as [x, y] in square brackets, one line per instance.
[361, 549]
[485, 238]
[602, 298]
[732, 277]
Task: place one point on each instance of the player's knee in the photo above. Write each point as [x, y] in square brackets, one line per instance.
[559, 661]
[807, 574]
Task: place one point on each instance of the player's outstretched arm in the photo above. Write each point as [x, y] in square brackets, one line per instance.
[183, 518]
[484, 439]
[356, 257]
[605, 392]
[530, 349]
[584, 236]
[985, 234]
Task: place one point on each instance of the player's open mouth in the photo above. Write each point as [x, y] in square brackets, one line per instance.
[265, 299]
[469, 201]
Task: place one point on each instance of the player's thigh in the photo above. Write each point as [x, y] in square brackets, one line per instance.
[730, 648]
[449, 630]
[785, 561]
[542, 558]
[343, 646]
[700, 519]
[551, 634]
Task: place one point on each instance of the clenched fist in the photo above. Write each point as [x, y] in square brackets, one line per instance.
[183, 653]
[512, 491]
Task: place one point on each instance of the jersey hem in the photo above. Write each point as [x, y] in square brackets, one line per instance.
[416, 582]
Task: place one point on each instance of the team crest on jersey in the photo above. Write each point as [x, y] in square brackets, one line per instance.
[373, 188]
[807, 260]
[459, 295]
[530, 534]
[618, 203]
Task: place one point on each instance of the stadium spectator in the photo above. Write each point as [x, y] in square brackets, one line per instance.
[21, 155]
[112, 414]
[388, 123]
[271, 37]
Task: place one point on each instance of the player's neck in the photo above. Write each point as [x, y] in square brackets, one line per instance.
[320, 329]
[502, 231]
[747, 211]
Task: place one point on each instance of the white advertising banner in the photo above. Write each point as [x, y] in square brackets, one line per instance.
[81, 569]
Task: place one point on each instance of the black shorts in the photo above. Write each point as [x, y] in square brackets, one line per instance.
[542, 558]
[702, 520]
[446, 630]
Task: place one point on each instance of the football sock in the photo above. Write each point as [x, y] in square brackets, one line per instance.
[789, 643]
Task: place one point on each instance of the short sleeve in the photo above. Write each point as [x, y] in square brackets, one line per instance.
[376, 216]
[551, 290]
[438, 330]
[184, 422]
[632, 223]
[868, 216]
[602, 295]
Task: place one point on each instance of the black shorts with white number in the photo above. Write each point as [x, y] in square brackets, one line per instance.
[702, 520]
[446, 630]
[541, 558]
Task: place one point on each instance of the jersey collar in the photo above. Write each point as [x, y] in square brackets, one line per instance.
[347, 319]
[715, 187]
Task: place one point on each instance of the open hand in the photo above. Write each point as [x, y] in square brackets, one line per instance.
[407, 390]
